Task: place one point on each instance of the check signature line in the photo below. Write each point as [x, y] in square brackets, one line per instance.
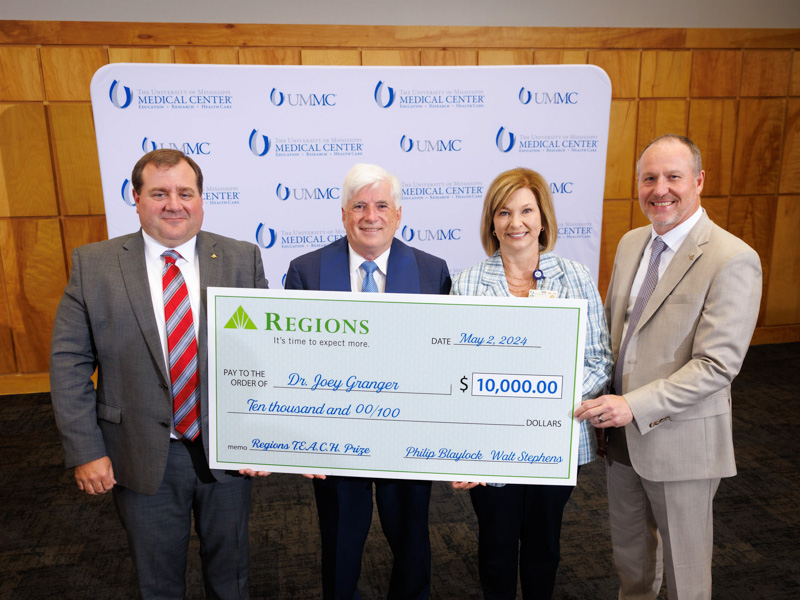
[372, 419]
[485, 460]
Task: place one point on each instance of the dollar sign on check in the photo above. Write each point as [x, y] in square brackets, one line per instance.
[464, 385]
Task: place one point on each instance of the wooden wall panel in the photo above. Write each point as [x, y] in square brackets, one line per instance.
[206, 56]
[79, 231]
[665, 74]
[715, 73]
[140, 55]
[26, 171]
[505, 57]
[657, 117]
[8, 362]
[718, 209]
[390, 58]
[559, 57]
[77, 165]
[790, 168]
[33, 263]
[756, 163]
[448, 58]
[766, 72]
[622, 67]
[342, 58]
[68, 71]
[752, 218]
[616, 223]
[269, 56]
[712, 126]
[22, 78]
[783, 288]
[621, 156]
[735, 92]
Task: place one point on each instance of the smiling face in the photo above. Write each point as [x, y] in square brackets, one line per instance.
[170, 207]
[518, 222]
[371, 220]
[669, 190]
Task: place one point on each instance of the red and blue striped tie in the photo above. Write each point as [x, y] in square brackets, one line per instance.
[182, 345]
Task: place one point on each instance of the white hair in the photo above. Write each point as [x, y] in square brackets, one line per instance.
[364, 175]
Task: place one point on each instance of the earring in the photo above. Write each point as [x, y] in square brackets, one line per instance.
[494, 233]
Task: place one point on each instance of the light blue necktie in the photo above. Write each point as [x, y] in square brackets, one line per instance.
[369, 284]
[648, 285]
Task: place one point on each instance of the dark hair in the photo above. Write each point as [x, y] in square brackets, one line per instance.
[163, 158]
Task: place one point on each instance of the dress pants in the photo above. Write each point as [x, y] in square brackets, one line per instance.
[159, 527]
[519, 524]
[344, 505]
[655, 521]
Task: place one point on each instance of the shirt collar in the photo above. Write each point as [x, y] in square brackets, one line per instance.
[155, 249]
[356, 259]
[675, 236]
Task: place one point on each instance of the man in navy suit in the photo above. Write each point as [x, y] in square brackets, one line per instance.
[370, 259]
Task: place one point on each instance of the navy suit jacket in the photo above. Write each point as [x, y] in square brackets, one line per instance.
[409, 271]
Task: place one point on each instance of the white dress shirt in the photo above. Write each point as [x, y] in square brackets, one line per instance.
[357, 273]
[190, 269]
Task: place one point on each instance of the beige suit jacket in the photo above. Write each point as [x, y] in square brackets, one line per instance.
[688, 346]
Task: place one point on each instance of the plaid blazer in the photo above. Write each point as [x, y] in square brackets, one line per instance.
[568, 279]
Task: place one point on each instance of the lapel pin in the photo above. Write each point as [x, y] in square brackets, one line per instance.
[213, 256]
[691, 257]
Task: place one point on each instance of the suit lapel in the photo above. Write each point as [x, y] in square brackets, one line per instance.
[689, 252]
[625, 272]
[402, 275]
[334, 267]
[134, 274]
[211, 260]
[494, 278]
[554, 275]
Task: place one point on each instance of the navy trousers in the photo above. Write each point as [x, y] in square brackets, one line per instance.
[344, 505]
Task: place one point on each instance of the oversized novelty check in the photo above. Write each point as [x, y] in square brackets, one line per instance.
[401, 386]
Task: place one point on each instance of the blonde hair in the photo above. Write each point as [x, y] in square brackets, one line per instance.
[497, 196]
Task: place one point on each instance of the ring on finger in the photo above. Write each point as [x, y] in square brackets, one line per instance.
[599, 418]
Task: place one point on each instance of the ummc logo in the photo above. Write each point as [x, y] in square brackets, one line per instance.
[525, 97]
[185, 147]
[430, 235]
[254, 143]
[505, 140]
[381, 99]
[565, 187]
[265, 237]
[407, 145]
[113, 95]
[127, 196]
[278, 98]
[319, 193]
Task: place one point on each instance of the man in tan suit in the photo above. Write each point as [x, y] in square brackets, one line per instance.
[681, 307]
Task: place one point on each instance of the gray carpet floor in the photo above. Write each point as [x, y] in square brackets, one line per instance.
[55, 542]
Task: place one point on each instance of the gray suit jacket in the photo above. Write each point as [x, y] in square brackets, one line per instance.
[688, 346]
[106, 320]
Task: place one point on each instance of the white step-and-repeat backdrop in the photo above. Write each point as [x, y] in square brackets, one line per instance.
[275, 143]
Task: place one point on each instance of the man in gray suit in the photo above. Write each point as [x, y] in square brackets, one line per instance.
[681, 307]
[131, 310]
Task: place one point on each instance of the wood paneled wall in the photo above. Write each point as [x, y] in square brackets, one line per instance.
[735, 92]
